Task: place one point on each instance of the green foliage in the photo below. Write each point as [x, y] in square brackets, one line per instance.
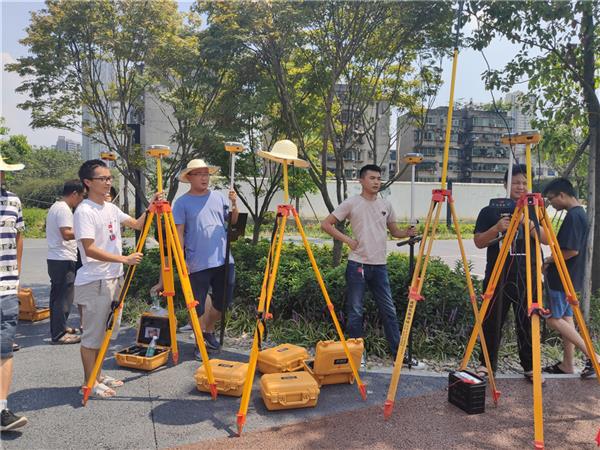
[35, 222]
[300, 314]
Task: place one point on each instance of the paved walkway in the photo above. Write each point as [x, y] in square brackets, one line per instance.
[164, 409]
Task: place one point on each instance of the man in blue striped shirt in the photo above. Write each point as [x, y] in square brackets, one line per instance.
[11, 243]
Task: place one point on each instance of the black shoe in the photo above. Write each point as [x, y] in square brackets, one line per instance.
[588, 371]
[210, 341]
[11, 421]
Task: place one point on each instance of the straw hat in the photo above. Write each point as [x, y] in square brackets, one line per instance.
[196, 164]
[5, 167]
[284, 151]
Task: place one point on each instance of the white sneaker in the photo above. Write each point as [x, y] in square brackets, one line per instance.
[415, 364]
[185, 328]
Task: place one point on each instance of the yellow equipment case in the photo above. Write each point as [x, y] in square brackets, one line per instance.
[28, 309]
[229, 376]
[135, 355]
[283, 358]
[289, 390]
[331, 365]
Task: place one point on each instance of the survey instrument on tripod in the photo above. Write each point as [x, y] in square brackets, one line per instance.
[439, 196]
[170, 249]
[530, 208]
[285, 152]
[232, 148]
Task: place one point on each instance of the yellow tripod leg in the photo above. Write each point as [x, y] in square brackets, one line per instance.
[493, 282]
[270, 277]
[538, 414]
[87, 389]
[473, 298]
[188, 294]
[570, 291]
[168, 278]
[361, 387]
[414, 295]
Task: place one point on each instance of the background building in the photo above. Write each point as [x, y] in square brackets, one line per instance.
[67, 145]
[369, 128]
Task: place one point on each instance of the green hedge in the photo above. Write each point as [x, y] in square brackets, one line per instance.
[442, 323]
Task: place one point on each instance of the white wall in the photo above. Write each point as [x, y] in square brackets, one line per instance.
[469, 199]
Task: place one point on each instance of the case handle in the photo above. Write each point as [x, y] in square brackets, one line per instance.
[303, 401]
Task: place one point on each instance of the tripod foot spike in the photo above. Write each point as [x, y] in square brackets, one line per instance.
[598, 438]
[538, 445]
[175, 358]
[241, 420]
[86, 394]
[496, 396]
[388, 406]
[213, 391]
[363, 391]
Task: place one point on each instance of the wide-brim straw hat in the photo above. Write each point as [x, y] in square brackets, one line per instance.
[196, 164]
[5, 167]
[284, 151]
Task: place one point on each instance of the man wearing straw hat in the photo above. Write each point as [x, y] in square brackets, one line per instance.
[11, 242]
[201, 219]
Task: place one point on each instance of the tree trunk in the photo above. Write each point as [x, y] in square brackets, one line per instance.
[586, 293]
[256, 231]
[125, 195]
[338, 245]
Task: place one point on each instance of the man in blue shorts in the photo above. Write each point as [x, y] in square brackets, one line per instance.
[11, 243]
[572, 238]
[201, 216]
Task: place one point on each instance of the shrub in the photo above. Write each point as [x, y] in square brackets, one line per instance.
[441, 326]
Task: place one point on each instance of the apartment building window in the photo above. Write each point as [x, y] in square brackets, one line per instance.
[393, 155]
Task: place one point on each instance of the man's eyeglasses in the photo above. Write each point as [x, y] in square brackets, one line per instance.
[198, 174]
[103, 179]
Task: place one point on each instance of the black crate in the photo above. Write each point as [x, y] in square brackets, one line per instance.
[468, 397]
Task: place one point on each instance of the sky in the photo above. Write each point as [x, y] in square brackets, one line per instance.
[15, 18]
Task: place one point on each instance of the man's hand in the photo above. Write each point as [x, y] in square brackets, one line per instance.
[134, 259]
[232, 198]
[411, 231]
[352, 243]
[502, 224]
[158, 196]
[156, 289]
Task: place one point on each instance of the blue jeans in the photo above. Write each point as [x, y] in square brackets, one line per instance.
[375, 277]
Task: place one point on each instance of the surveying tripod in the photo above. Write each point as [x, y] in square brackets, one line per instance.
[522, 214]
[266, 295]
[439, 196]
[170, 242]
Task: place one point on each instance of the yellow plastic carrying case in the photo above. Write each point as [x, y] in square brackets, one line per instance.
[289, 390]
[283, 358]
[229, 376]
[135, 355]
[28, 309]
[331, 365]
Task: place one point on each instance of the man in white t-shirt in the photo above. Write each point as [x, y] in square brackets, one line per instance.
[62, 261]
[97, 225]
[370, 217]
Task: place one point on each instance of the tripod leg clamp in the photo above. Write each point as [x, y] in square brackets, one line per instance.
[572, 299]
[539, 310]
[192, 305]
[413, 294]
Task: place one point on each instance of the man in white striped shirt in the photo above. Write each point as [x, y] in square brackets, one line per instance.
[11, 243]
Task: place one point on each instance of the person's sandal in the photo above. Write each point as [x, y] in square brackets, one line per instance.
[111, 382]
[529, 377]
[102, 391]
[555, 369]
[70, 330]
[482, 373]
[588, 371]
[67, 339]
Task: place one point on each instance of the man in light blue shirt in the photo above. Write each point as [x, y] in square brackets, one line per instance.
[201, 218]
